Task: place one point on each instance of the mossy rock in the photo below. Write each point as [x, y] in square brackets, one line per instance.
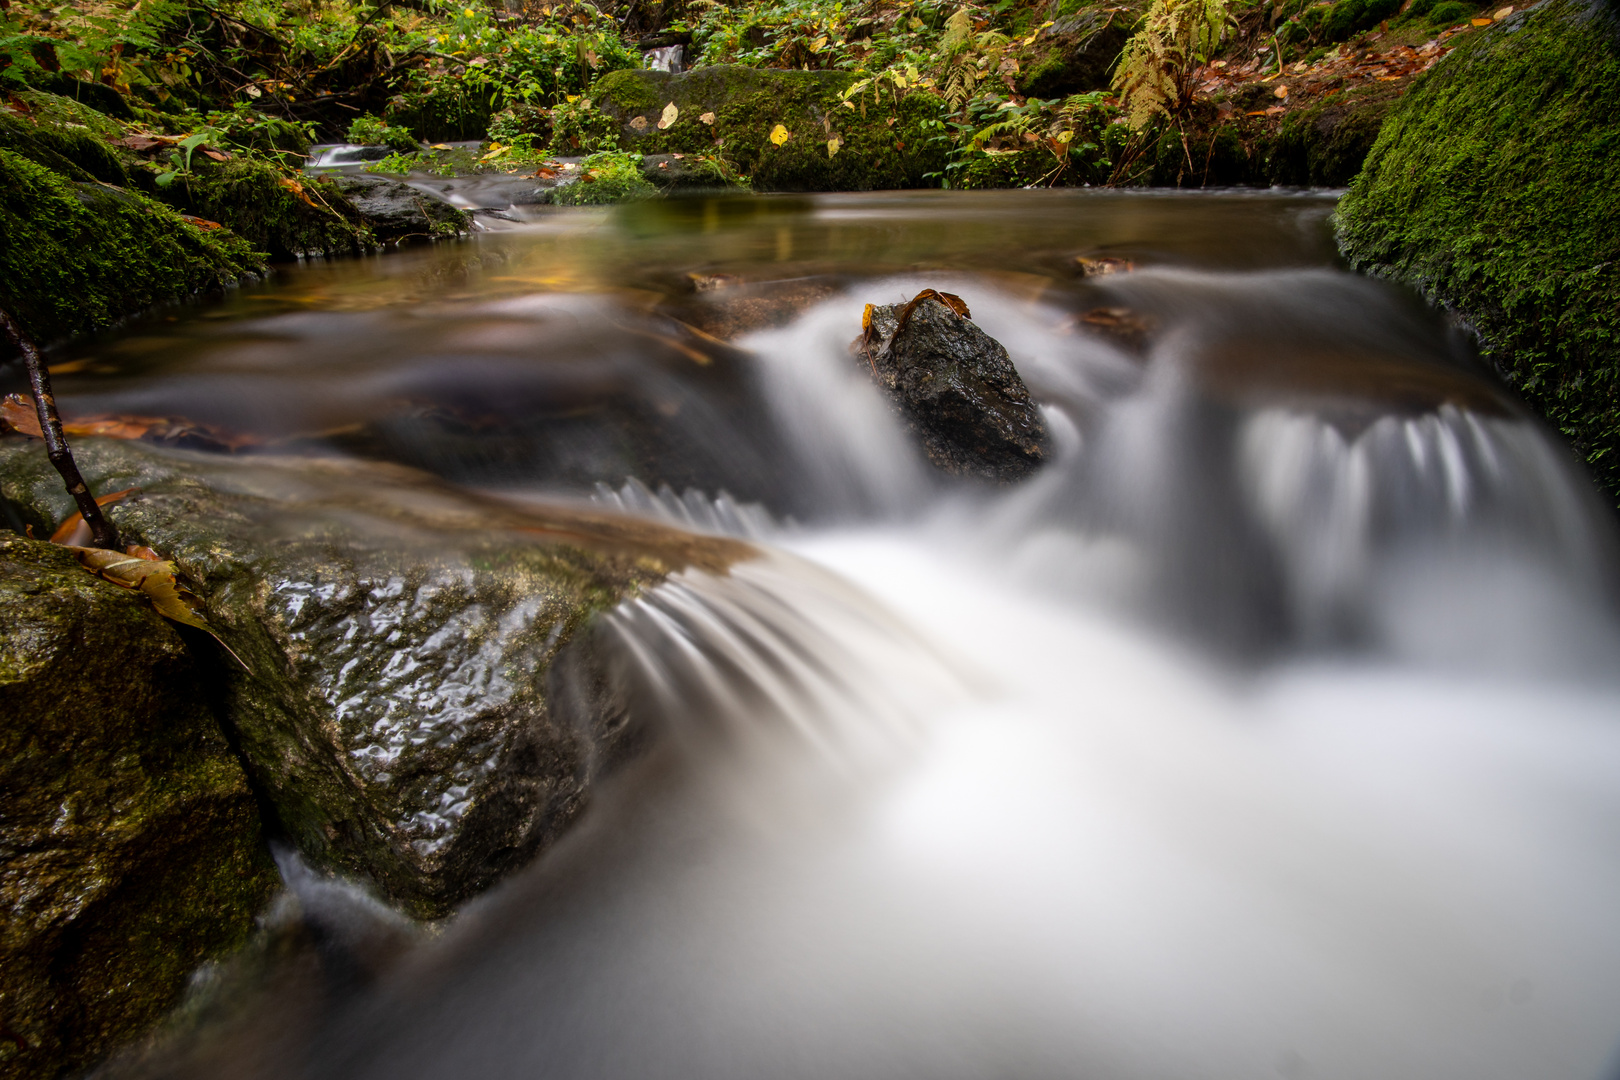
[77, 256]
[1326, 144]
[417, 711]
[882, 143]
[1494, 189]
[64, 136]
[255, 201]
[1078, 53]
[130, 842]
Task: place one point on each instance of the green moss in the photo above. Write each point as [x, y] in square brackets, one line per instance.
[1494, 189]
[1326, 144]
[76, 257]
[64, 136]
[881, 142]
[255, 201]
[130, 846]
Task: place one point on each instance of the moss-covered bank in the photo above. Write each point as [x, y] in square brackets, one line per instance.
[130, 847]
[879, 141]
[1494, 188]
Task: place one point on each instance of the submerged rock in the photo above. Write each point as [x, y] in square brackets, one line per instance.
[395, 210]
[1493, 190]
[130, 846]
[413, 712]
[957, 388]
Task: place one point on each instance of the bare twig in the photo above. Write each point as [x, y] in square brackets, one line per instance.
[50, 423]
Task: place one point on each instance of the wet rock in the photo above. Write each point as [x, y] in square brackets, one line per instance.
[956, 387]
[414, 711]
[130, 846]
[1078, 52]
[396, 211]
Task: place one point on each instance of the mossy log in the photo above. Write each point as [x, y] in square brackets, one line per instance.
[1494, 189]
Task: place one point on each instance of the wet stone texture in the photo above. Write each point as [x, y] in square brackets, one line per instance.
[957, 390]
[130, 842]
[418, 711]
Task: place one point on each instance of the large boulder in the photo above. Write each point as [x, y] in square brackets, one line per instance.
[876, 142]
[130, 845]
[413, 709]
[397, 211]
[956, 388]
[1494, 189]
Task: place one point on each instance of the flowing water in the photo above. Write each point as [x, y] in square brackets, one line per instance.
[1271, 729]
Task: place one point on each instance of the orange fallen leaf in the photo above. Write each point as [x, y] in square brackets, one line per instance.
[1281, 92]
[18, 413]
[297, 189]
[1486, 21]
[202, 223]
[74, 532]
[216, 155]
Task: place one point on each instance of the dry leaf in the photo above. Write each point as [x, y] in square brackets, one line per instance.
[215, 155]
[75, 532]
[297, 189]
[833, 145]
[639, 123]
[707, 118]
[669, 115]
[142, 569]
[202, 223]
[1281, 92]
[18, 412]
[1486, 21]
[779, 134]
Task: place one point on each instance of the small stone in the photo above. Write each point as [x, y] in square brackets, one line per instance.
[956, 387]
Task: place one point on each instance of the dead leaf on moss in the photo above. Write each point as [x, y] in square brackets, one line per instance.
[141, 569]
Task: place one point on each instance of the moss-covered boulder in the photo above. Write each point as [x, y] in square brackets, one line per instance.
[414, 711]
[285, 217]
[1326, 144]
[1494, 188]
[78, 255]
[1078, 52]
[130, 845]
[877, 141]
[396, 211]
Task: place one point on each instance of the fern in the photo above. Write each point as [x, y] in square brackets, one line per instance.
[1154, 71]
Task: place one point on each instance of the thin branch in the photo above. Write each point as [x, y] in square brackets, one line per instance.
[102, 533]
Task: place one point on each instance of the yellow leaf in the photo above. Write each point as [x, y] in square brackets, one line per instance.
[495, 151]
[1031, 39]
[668, 117]
[707, 118]
[779, 134]
[833, 144]
[1482, 22]
[898, 79]
[818, 44]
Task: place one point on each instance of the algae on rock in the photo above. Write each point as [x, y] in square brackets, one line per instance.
[1494, 189]
[130, 843]
[414, 713]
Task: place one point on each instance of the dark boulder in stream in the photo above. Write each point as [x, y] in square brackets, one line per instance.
[396, 210]
[414, 712]
[956, 387]
[130, 845]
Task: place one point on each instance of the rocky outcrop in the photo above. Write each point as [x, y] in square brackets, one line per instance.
[1493, 190]
[414, 711]
[396, 211]
[785, 130]
[1078, 51]
[130, 846]
[956, 387]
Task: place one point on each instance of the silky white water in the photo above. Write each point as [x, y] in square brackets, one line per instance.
[1272, 729]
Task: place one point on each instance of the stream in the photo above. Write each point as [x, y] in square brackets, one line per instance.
[1271, 729]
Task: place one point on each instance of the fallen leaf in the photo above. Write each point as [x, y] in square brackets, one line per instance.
[1501, 13]
[668, 117]
[216, 155]
[154, 577]
[707, 118]
[779, 134]
[19, 415]
[833, 145]
[1486, 21]
[75, 532]
[297, 189]
[202, 223]
[544, 173]
[1281, 92]
[639, 123]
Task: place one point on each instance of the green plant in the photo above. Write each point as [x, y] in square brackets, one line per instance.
[1154, 74]
[1451, 11]
[577, 125]
[609, 177]
[368, 130]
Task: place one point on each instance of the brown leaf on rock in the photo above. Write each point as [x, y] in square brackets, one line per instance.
[18, 414]
[154, 577]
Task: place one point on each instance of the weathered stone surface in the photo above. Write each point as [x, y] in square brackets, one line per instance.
[396, 211]
[1492, 189]
[130, 846]
[1078, 52]
[407, 713]
[958, 390]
